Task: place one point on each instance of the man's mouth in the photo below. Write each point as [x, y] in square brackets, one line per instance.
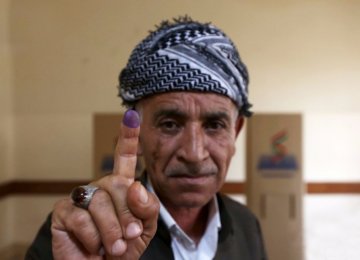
[192, 179]
[187, 175]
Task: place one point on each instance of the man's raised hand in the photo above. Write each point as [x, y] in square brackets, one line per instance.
[122, 216]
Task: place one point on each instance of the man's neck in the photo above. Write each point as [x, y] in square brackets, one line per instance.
[193, 221]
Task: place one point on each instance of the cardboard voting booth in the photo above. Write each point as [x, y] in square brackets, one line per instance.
[106, 131]
[106, 128]
[274, 185]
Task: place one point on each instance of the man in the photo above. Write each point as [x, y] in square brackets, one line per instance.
[186, 88]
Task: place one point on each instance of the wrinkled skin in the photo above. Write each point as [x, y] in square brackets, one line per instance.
[187, 141]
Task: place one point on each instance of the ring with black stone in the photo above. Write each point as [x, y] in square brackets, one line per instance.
[82, 195]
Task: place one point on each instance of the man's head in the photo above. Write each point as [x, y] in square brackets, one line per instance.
[185, 56]
[188, 83]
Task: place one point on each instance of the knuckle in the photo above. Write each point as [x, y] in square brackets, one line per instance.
[117, 182]
[113, 231]
[81, 219]
[125, 213]
[100, 198]
[60, 210]
[112, 182]
[78, 222]
[153, 207]
[156, 203]
[63, 203]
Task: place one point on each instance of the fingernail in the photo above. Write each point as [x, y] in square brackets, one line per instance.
[143, 195]
[131, 119]
[118, 248]
[133, 230]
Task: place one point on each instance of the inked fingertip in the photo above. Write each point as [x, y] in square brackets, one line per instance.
[131, 118]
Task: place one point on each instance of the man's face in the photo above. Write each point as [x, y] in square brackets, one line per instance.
[187, 140]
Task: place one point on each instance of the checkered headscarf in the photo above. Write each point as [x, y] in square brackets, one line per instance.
[185, 56]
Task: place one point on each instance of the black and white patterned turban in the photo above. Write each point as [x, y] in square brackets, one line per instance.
[185, 55]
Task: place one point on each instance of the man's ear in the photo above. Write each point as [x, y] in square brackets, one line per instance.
[239, 125]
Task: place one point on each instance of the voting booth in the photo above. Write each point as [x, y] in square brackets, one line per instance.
[106, 130]
[274, 185]
[106, 127]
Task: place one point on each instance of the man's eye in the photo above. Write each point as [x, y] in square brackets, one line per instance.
[216, 125]
[169, 126]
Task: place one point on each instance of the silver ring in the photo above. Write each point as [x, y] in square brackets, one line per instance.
[82, 195]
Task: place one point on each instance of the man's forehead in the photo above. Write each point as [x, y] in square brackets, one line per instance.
[189, 102]
[190, 97]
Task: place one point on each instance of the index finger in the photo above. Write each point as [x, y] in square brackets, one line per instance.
[125, 156]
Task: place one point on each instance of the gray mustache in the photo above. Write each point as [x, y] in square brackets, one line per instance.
[191, 170]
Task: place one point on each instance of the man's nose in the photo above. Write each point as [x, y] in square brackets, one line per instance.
[193, 147]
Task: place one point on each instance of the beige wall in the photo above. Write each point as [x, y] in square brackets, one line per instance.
[36, 207]
[6, 224]
[6, 96]
[303, 57]
[6, 120]
[59, 63]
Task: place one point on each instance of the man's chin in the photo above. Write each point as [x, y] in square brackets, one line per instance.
[193, 200]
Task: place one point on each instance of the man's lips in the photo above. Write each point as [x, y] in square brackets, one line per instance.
[190, 179]
[192, 176]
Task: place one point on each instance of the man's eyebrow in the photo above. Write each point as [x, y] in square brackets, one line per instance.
[170, 112]
[216, 116]
[206, 116]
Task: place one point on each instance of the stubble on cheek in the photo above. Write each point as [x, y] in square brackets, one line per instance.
[155, 162]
